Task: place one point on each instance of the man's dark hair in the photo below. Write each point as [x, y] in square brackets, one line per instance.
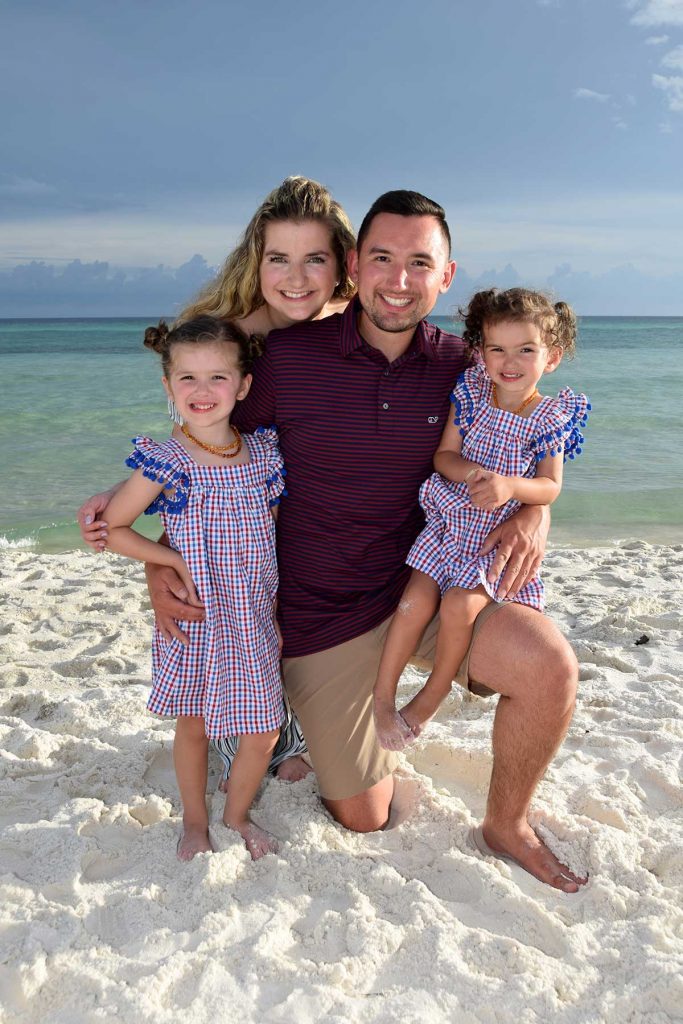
[405, 204]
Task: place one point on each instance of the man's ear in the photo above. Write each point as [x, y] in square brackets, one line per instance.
[352, 264]
[448, 275]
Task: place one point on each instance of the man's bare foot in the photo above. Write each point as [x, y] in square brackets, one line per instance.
[257, 840]
[294, 769]
[521, 845]
[420, 710]
[393, 732]
[193, 840]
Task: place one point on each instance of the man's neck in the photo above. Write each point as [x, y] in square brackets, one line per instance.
[391, 345]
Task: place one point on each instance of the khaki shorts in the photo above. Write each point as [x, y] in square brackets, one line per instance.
[331, 693]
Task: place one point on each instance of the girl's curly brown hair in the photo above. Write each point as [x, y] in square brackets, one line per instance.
[202, 330]
[557, 323]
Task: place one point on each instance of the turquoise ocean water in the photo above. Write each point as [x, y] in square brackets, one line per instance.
[73, 393]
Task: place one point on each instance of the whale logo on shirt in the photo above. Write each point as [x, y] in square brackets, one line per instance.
[432, 419]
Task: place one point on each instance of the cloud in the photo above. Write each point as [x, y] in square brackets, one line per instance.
[589, 94]
[619, 122]
[665, 128]
[673, 59]
[657, 12]
[656, 40]
[672, 87]
[38, 289]
[623, 290]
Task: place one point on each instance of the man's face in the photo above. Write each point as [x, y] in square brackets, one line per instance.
[400, 271]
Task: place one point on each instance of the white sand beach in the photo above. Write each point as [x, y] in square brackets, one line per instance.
[100, 922]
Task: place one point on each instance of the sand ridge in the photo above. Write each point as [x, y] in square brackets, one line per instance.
[98, 921]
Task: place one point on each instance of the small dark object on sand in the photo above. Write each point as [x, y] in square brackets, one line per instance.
[644, 639]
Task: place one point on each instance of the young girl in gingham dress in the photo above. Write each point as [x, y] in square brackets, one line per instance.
[216, 492]
[501, 450]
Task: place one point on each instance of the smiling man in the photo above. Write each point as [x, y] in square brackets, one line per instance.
[360, 399]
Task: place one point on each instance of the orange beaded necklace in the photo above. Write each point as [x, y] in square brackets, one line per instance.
[521, 408]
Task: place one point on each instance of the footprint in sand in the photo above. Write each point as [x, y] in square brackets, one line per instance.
[12, 675]
[160, 774]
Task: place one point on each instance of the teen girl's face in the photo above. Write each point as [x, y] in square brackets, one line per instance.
[516, 357]
[298, 271]
[205, 382]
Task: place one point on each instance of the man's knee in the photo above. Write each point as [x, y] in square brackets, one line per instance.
[367, 811]
[557, 673]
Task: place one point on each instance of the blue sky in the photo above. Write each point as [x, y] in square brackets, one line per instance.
[138, 139]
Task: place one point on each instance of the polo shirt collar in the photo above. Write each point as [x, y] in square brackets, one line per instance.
[350, 338]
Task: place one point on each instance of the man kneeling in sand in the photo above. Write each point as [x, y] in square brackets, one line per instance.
[360, 400]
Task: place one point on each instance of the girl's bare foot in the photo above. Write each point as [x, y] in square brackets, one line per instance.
[193, 840]
[257, 840]
[393, 731]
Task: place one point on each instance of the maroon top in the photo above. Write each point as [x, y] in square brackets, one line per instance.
[358, 435]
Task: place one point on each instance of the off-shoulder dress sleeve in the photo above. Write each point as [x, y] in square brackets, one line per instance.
[469, 391]
[560, 430]
[159, 462]
[275, 466]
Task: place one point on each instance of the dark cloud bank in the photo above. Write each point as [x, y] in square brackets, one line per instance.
[39, 289]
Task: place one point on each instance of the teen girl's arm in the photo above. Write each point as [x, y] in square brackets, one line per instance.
[130, 500]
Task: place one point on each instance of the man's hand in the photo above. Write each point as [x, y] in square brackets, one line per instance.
[489, 490]
[521, 542]
[170, 600]
[94, 530]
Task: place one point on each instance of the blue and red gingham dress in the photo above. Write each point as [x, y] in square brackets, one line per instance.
[219, 518]
[448, 547]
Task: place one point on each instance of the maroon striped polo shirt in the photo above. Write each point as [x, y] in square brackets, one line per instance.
[358, 435]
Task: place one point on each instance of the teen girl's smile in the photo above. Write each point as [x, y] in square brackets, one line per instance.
[298, 271]
[205, 382]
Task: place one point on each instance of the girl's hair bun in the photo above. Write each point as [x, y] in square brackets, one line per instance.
[155, 337]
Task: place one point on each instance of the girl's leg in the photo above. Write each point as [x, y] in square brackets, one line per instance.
[459, 609]
[190, 757]
[416, 609]
[249, 767]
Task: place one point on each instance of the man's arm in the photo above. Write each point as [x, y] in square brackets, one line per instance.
[521, 542]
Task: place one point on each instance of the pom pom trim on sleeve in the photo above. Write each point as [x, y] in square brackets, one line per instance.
[163, 472]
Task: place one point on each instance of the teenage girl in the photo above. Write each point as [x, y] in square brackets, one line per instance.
[215, 491]
[505, 447]
[289, 266]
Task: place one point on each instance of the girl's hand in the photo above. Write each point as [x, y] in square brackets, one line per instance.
[187, 581]
[94, 530]
[170, 601]
[489, 490]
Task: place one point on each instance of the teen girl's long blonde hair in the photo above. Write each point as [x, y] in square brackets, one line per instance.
[235, 292]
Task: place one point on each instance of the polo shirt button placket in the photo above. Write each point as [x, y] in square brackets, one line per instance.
[385, 405]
